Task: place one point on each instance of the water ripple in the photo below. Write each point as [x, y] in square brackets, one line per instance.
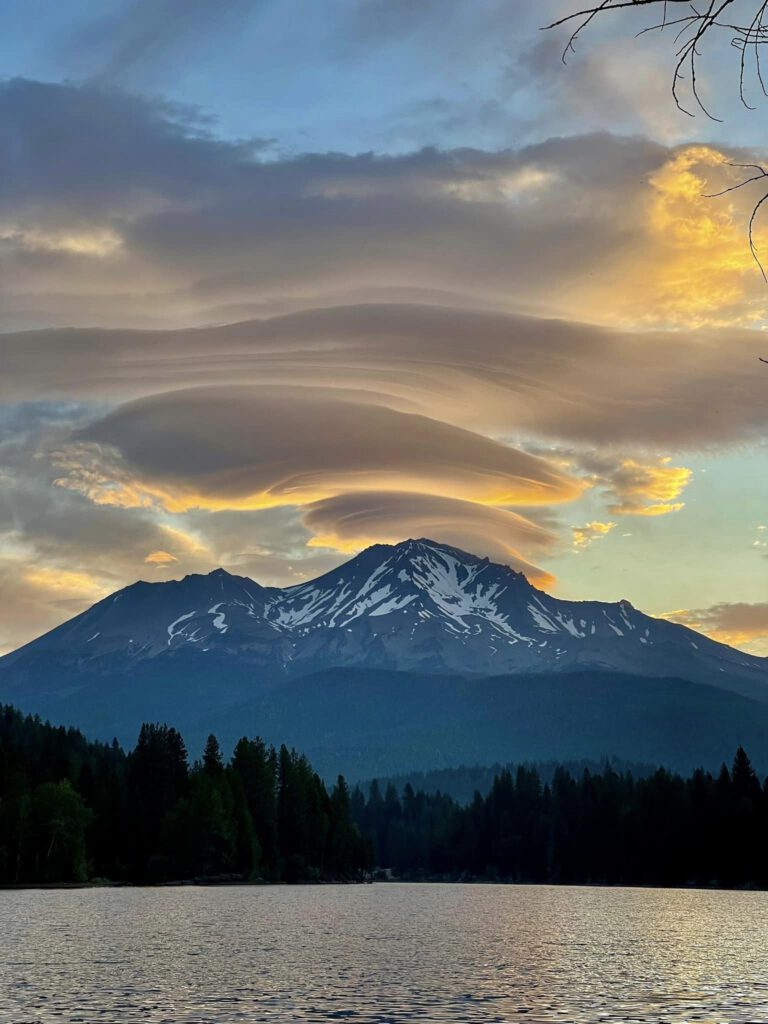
[383, 954]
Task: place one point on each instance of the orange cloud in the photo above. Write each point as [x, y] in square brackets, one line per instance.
[706, 267]
[160, 558]
[739, 624]
[258, 448]
[65, 583]
[584, 536]
[648, 489]
[686, 262]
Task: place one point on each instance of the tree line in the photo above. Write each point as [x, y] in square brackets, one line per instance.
[607, 827]
[464, 781]
[71, 810]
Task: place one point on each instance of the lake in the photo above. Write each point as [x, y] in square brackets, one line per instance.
[383, 953]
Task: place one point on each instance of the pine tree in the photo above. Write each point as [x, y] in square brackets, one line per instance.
[213, 762]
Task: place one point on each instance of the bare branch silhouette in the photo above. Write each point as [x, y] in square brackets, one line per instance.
[696, 25]
[760, 176]
[744, 21]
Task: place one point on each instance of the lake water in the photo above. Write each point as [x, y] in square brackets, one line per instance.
[382, 953]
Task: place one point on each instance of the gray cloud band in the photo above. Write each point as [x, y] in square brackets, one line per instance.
[504, 374]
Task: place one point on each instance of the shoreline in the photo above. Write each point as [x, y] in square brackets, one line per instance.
[234, 883]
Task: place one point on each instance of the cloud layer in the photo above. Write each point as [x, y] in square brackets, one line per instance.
[502, 373]
[259, 447]
[153, 219]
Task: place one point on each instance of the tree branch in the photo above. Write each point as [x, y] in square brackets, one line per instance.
[694, 29]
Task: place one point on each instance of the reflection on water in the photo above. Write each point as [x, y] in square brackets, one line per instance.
[383, 953]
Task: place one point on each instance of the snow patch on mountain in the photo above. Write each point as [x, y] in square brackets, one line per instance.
[219, 618]
[173, 632]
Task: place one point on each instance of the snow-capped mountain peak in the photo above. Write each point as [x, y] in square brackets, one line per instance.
[417, 605]
[430, 578]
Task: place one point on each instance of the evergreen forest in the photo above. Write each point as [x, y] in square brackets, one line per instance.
[72, 811]
[76, 811]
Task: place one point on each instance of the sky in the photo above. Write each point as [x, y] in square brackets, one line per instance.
[280, 280]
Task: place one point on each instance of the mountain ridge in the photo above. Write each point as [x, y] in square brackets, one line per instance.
[409, 656]
[414, 606]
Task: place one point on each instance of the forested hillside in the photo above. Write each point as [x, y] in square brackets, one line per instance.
[71, 810]
[464, 782]
[609, 827]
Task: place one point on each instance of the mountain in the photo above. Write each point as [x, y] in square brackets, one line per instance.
[417, 606]
[409, 656]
